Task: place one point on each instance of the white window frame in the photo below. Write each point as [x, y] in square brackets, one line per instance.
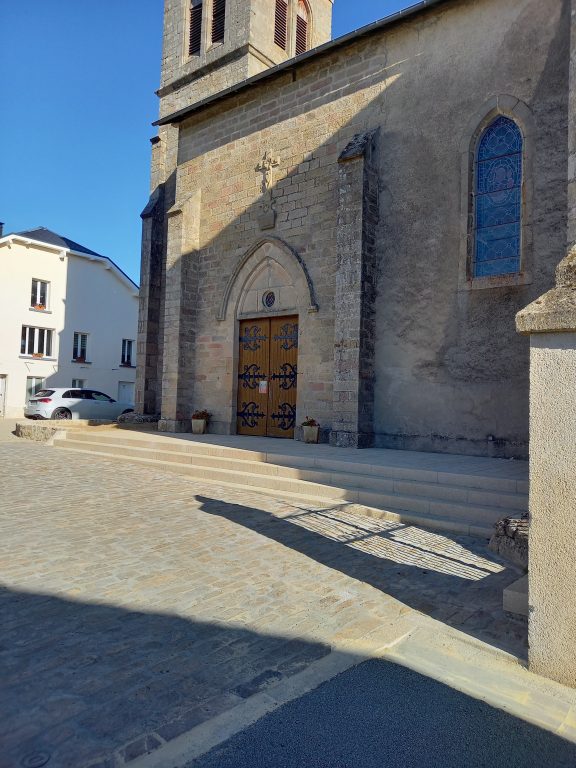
[125, 359]
[31, 338]
[37, 302]
[31, 391]
[77, 346]
[78, 384]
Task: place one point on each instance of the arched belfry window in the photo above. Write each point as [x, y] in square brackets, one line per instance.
[281, 24]
[195, 33]
[218, 20]
[498, 200]
[301, 27]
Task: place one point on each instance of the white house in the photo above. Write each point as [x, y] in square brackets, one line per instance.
[68, 318]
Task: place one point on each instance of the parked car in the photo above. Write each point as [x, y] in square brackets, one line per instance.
[66, 403]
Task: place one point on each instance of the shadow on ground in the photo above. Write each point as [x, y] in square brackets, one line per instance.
[81, 681]
[379, 714]
[454, 579]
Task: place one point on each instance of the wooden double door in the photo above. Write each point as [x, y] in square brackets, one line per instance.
[267, 376]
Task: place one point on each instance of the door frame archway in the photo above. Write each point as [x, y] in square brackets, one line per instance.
[304, 308]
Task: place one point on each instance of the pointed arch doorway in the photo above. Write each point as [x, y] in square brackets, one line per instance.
[269, 301]
[267, 376]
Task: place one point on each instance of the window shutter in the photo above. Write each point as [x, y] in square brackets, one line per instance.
[218, 20]
[301, 28]
[281, 23]
[195, 29]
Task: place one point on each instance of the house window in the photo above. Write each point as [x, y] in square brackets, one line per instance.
[36, 341]
[127, 347]
[80, 345]
[195, 36]
[34, 384]
[218, 20]
[78, 383]
[301, 27]
[39, 294]
[498, 200]
[281, 24]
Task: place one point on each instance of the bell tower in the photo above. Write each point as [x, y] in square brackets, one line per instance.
[210, 45]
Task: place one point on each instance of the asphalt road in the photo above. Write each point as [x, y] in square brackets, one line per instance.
[380, 715]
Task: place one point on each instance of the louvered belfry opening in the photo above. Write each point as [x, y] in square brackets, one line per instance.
[301, 28]
[281, 24]
[195, 41]
[218, 21]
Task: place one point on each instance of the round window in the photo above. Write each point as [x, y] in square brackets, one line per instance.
[269, 299]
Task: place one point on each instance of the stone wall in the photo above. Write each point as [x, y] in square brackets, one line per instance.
[450, 373]
[248, 48]
[46, 431]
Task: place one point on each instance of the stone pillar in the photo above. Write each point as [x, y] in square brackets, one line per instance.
[353, 401]
[551, 323]
[180, 297]
[148, 384]
[173, 416]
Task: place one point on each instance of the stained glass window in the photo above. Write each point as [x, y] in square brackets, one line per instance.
[498, 200]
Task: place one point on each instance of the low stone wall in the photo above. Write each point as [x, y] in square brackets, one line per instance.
[138, 419]
[45, 431]
[510, 540]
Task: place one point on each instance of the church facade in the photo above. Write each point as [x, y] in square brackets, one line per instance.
[346, 229]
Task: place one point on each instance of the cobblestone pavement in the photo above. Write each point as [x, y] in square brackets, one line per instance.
[136, 604]
[7, 427]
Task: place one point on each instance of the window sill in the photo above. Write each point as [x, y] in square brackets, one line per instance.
[81, 362]
[498, 281]
[42, 311]
[39, 359]
[126, 365]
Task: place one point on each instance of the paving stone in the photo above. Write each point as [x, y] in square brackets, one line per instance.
[136, 604]
[141, 746]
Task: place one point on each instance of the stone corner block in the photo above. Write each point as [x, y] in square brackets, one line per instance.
[554, 311]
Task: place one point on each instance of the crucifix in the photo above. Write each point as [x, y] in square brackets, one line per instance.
[265, 168]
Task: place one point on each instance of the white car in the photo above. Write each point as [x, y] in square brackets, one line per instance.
[67, 403]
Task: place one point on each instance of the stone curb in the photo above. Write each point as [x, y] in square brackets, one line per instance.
[490, 675]
[423, 645]
[201, 739]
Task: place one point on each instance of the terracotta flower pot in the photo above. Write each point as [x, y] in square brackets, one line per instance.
[199, 426]
[310, 434]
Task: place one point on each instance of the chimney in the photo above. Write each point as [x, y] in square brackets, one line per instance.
[1, 228]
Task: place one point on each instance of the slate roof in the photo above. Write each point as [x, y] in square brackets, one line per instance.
[45, 235]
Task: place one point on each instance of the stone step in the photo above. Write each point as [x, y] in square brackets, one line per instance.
[405, 517]
[486, 490]
[457, 515]
[515, 597]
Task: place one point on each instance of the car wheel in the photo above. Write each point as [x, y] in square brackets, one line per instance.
[61, 413]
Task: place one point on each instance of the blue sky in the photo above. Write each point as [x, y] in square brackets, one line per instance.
[77, 87]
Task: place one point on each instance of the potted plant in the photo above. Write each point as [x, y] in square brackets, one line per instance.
[40, 306]
[310, 430]
[38, 354]
[200, 421]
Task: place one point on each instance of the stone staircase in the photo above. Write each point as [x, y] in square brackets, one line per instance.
[454, 495]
